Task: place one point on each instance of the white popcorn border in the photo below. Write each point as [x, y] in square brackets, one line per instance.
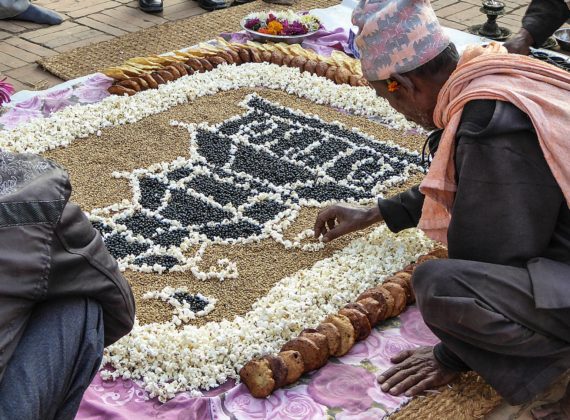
[79, 121]
[169, 359]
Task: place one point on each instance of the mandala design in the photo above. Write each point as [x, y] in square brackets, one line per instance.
[244, 180]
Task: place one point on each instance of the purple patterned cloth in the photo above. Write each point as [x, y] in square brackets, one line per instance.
[92, 90]
[325, 42]
[344, 389]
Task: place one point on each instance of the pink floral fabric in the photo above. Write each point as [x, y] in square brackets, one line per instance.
[344, 389]
[92, 90]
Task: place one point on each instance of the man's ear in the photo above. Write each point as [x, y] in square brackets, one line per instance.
[405, 82]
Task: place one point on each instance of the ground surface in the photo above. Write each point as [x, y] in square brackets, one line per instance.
[21, 43]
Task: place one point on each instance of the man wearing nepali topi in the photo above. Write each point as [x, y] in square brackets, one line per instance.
[496, 193]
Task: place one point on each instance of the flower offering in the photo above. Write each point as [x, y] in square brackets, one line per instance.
[286, 23]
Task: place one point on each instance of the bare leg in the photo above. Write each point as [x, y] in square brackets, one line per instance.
[559, 410]
[415, 372]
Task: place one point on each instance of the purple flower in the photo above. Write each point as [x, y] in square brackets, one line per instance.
[414, 330]
[6, 90]
[32, 104]
[93, 89]
[17, 116]
[295, 28]
[294, 404]
[283, 404]
[343, 386]
[242, 404]
[99, 80]
[253, 24]
[57, 100]
[89, 95]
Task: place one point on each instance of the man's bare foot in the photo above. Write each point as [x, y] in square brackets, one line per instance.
[415, 372]
[559, 410]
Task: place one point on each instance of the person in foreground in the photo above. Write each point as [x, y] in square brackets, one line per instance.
[62, 297]
[496, 193]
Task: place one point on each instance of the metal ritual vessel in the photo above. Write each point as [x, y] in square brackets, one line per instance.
[491, 29]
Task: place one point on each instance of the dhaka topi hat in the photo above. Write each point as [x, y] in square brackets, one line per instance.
[396, 36]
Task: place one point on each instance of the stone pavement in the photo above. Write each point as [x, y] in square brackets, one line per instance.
[87, 22]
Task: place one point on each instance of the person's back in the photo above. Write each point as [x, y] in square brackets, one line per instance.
[62, 296]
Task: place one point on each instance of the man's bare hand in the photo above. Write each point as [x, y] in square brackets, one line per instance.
[336, 221]
[520, 43]
[415, 371]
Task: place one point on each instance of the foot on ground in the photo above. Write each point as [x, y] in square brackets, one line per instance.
[415, 371]
[38, 14]
[559, 410]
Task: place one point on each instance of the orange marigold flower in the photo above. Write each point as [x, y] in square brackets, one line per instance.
[393, 86]
[274, 27]
[263, 31]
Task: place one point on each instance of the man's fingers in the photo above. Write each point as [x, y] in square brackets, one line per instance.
[396, 379]
[421, 386]
[403, 355]
[322, 218]
[336, 232]
[407, 383]
[384, 376]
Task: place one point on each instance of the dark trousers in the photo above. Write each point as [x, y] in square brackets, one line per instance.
[487, 321]
[54, 362]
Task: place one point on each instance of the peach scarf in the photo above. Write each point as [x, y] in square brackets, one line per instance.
[540, 90]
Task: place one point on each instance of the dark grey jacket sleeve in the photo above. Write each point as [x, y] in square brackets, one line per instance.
[543, 17]
[402, 211]
[508, 204]
[82, 266]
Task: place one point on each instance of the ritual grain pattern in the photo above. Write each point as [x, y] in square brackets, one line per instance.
[260, 265]
[92, 161]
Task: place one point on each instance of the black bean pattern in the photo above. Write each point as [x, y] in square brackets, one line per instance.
[282, 153]
[166, 261]
[119, 247]
[141, 224]
[189, 210]
[222, 192]
[152, 191]
[195, 302]
[241, 229]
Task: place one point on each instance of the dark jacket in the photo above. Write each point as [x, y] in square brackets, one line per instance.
[49, 250]
[543, 17]
[508, 208]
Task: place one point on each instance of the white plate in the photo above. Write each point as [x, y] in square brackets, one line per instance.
[289, 39]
